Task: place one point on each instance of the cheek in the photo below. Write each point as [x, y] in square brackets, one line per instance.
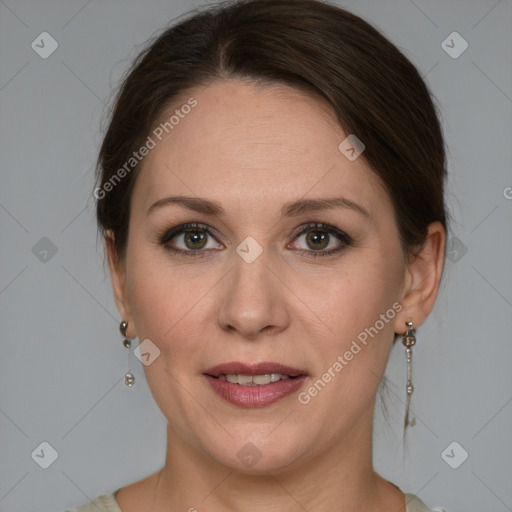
[165, 307]
[353, 297]
[359, 308]
[149, 289]
[168, 302]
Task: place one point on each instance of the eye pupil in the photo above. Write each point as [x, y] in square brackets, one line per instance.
[192, 238]
[318, 237]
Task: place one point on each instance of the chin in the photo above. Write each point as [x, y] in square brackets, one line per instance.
[257, 454]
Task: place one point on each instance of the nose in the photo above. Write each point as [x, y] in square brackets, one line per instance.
[253, 301]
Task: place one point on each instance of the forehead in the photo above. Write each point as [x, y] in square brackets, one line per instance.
[247, 144]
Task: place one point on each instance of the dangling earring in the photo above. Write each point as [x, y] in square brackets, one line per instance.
[409, 340]
[129, 378]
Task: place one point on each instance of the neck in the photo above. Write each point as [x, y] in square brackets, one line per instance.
[341, 479]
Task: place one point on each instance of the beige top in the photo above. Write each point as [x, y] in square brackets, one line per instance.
[107, 503]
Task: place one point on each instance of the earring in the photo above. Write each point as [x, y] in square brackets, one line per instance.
[409, 340]
[129, 378]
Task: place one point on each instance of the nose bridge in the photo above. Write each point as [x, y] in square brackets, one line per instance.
[253, 300]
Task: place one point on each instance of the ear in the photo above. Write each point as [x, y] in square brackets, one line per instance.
[422, 279]
[118, 277]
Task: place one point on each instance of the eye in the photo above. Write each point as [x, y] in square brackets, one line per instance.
[190, 239]
[319, 239]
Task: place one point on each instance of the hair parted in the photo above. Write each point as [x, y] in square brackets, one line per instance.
[374, 91]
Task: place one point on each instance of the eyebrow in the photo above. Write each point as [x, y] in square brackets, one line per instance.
[301, 206]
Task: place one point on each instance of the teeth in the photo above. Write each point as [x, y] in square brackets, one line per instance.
[253, 380]
[262, 379]
[244, 379]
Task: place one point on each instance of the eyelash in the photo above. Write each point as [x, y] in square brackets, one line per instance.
[345, 240]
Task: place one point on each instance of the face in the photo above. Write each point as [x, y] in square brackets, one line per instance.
[235, 258]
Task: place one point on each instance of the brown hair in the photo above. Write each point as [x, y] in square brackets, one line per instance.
[375, 92]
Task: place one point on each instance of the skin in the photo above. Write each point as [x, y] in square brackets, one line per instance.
[253, 149]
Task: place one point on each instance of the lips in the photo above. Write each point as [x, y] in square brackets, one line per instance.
[244, 392]
[253, 369]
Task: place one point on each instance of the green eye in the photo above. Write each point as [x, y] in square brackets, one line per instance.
[190, 240]
[320, 240]
[317, 240]
[195, 239]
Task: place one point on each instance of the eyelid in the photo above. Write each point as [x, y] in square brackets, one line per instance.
[168, 234]
[321, 226]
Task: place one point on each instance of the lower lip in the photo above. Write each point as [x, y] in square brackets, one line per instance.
[255, 396]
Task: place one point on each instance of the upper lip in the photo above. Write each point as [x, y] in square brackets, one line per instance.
[234, 368]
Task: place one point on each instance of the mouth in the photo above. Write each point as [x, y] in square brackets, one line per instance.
[254, 385]
[254, 380]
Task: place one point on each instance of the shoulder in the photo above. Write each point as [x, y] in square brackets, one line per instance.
[414, 504]
[103, 503]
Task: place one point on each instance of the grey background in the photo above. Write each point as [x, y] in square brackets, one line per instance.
[62, 361]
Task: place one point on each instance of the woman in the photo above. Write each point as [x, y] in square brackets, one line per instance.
[271, 195]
